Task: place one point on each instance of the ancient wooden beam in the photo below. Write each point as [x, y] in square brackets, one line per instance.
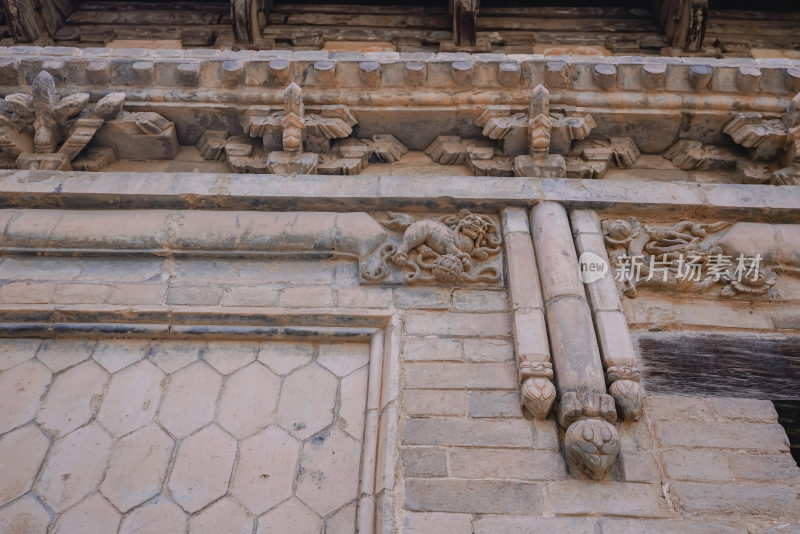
[465, 21]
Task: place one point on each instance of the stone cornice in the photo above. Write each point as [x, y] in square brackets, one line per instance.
[184, 75]
[209, 191]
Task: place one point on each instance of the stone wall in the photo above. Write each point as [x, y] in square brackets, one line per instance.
[453, 450]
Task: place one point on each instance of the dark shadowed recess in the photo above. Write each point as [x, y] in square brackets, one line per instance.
[760, 366]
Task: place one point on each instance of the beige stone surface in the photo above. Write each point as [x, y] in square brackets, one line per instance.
[74, 467]
[225, 515]
[25, 516]
[58, 355]
[342, 359]
[295, 413]
[291, 516]
[138, 467]
[328, 475]
[190, 399]
[92, 516]
[352, 402]
[132, 398]
[157, 517]
[15, 351]
[202, 468]
[227, 357]
[283, 357]
[170, 356]
[21, 455]
[21, 389]
[266, 469]
[119, 354]
[72, 399]
[248, 400]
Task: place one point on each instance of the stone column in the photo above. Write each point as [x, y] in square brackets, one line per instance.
[527, 308]
[585, 410]
[616, 348]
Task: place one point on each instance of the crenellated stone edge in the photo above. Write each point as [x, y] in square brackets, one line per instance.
[239, 70]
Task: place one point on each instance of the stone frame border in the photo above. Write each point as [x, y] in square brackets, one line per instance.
[376, 506]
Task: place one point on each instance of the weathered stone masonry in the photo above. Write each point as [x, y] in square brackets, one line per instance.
[373, 274]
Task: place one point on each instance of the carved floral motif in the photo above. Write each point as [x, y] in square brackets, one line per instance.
[45, 131]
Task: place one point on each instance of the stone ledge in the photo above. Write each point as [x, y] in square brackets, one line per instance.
[86, 190]
[272, 67]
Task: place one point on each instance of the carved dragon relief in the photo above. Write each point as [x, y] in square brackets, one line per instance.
[737, 260]
[449, 249]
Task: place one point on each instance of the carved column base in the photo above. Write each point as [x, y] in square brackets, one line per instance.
[591, 447]
[538, 391]
[591, 442]
[628, 393]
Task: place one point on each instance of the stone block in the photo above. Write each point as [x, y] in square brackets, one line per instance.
[488, 350]
[578, 497]
[449, 375]
[364, 297]
[698, 498]
[424, 462]
[472, 300]
[694, 464]
[453, 431]
[306, 297]
[764, 467]
[474, 496]
[638, 467]
[674, 408]
[495, 524]
[426, 522]
[422, 298]
[517, 464]
[432, 348]
[458, 324]
[194, 295]
[669, 526]
[760, 436]
[250, 296]
[434, 402]
[494, 404]
[744, 409]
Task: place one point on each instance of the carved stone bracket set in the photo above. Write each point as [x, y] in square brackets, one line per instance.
[312, 113]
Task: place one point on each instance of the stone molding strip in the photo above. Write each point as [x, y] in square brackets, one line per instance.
[527, 308]
[616, 347]
[210, 191]
[585, 410]
[370, 71]
[165, 232]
